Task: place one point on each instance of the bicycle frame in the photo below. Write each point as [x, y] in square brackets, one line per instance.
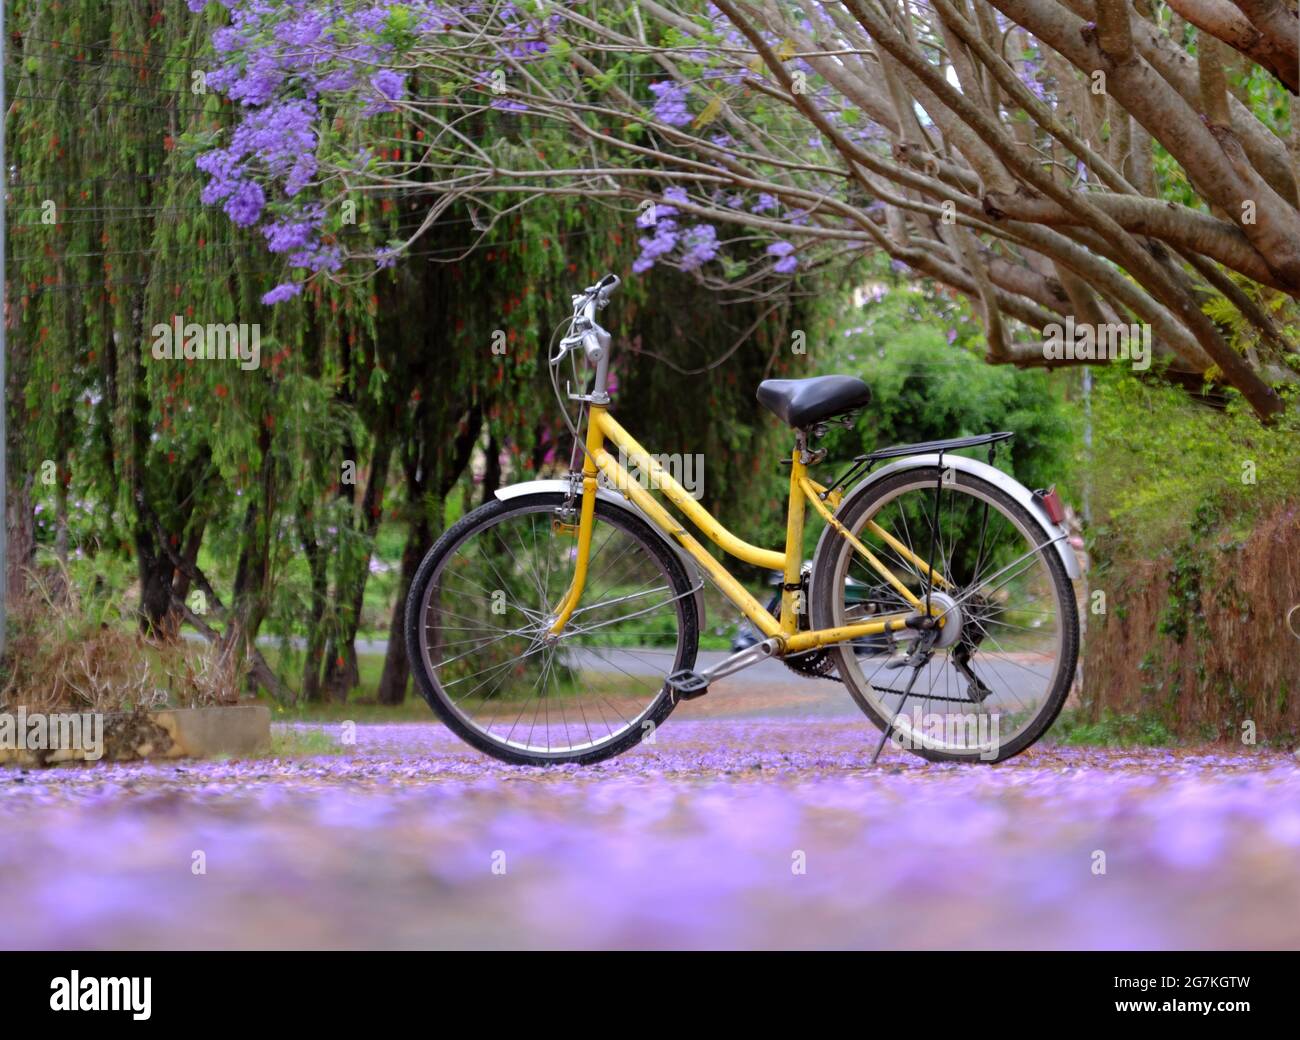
[601, 427]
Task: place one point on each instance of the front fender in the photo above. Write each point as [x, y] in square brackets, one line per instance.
[613, 498]
[994, 476]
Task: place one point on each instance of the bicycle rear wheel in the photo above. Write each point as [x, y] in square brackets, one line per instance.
[999, 671]
[480, 608]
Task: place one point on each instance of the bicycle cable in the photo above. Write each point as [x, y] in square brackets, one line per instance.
[555, 362]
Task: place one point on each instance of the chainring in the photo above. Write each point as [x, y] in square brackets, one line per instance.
[817, 664]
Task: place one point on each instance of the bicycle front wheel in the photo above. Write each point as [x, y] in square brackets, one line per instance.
[478, 616]
[996, 675]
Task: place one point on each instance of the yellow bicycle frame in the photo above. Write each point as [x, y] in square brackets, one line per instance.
[601, 427]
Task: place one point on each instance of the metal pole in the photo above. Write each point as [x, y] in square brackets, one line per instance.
[4, 317]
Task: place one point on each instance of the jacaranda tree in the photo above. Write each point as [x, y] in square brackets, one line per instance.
[1110, 162]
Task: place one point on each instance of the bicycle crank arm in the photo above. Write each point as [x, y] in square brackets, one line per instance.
[686, 685]
[742, 659]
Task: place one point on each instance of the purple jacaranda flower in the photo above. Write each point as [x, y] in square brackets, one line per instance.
[392, 85]
[1014, 840]
[318, 257]
[670, 102]
[663, 242]
[278, 135]
[227, 39]
[336, 80]
[699, 245]
[787, 262]
[261, 78]
[304, 30]
[224, 172]
[282, 292]
[300, 174]
[245, 203]
[285, 235]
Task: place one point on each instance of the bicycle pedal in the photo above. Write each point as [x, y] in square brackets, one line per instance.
[687, 685]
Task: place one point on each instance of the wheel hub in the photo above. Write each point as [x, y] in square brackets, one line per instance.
[946, 607]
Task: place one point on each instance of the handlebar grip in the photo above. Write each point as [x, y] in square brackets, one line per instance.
[605, 288]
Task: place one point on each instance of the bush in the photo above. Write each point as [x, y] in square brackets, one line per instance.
[1166, 467]
[928, 382]
[64, 653]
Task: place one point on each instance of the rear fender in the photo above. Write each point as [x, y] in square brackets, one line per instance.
[1052, 532]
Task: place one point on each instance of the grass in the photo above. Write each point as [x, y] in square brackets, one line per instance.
[66, 653]
[356, 709]
[305, 743]
[1073, 729]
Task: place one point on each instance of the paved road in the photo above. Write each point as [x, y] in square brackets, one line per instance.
[1017, 681]
[726, 832]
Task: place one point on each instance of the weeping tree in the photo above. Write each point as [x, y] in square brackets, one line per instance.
[1115, 164]
[247, 494]
[213, 476]
[284, 456]
[157, 454]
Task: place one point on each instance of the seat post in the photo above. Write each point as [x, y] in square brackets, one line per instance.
[808, 456]
[792, 575]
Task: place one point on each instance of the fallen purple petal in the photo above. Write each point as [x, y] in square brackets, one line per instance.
[686, 842]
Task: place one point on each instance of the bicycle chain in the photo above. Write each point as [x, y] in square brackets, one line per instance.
[815, 664]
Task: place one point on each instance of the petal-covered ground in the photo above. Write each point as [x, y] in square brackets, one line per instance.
[731, 833]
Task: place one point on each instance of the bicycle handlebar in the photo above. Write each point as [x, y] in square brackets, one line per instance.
[584, 329]
[604, 288]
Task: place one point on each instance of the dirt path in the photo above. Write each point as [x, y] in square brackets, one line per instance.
[401, 840]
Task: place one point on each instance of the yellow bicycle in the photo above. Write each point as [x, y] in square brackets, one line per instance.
[560, 622]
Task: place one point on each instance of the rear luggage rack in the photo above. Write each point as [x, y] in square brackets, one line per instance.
[929, 447]
[862, 463]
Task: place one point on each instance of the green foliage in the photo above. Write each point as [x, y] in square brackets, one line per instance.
[1075, 729]
[1162, 458]
[1184, 602]
[918, 351]
[242, 468]
[925, 387]
[305, 742]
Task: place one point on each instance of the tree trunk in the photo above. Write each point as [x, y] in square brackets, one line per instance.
[20, 533]
[341, 671]
[429, 470]
[318, 566]
[397, 669]
[491, 470]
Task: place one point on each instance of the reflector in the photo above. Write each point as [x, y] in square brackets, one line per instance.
[1052, 503]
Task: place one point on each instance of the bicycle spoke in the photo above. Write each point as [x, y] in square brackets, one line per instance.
[1003, 658]
[486, 637]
